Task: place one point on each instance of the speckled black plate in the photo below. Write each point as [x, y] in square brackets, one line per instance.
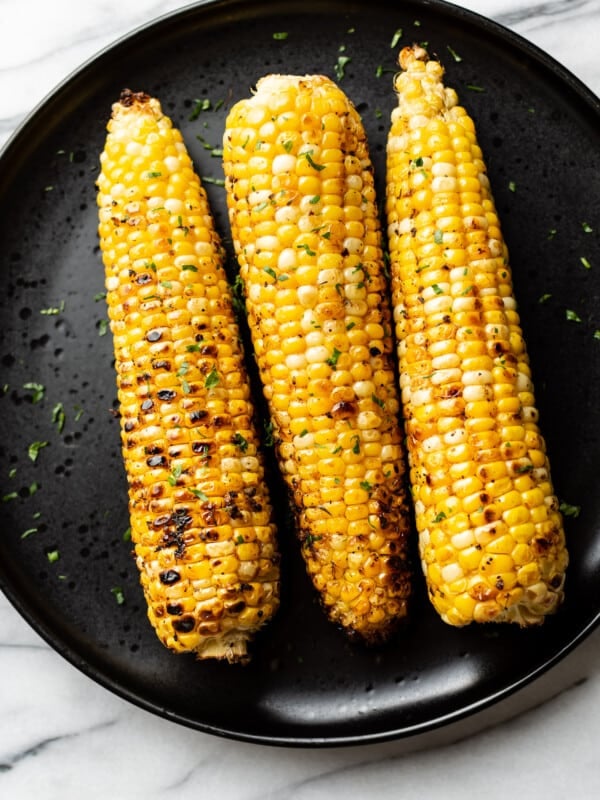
[540, 130]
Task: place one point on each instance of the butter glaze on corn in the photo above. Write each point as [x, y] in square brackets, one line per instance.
[200, 511]
[490, 533]
[307, 236]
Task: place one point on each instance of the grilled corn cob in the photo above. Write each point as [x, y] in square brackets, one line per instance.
[306, 232]
[200, 512]
[490, 532]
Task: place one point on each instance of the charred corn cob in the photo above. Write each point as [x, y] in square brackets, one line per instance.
[490, 532]
[306, 232]
[200, 512]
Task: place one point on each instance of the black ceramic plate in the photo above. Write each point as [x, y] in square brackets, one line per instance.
[539, 128]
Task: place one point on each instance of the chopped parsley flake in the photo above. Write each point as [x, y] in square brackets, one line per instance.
[212, 379]
[512, 186]
[333, 359]
[454, 54]
[240, 442]
[34, 449]
[28, 532]
[38, 390]
[474, 88]
[438, 236]
[201, 105]
[439, 517]
[308, 156]
[53, 310]
[572, 316]
[396, 38]
[175, 474]
[568, 510]
[58, 416]
[53, 556]
[544, 297]
[200, 495]
[280, 36]
[586, 228]
[118, 594]
[103, 326]
[340, 66]
[356, 445]
[585, 262]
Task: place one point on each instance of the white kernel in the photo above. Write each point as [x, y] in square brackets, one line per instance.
[249, 463]
[446, 361]
[314, 338]
[353, 245]
[510, 304]
[368, 420]
[475, 392]
[436, 290]
[267, 243]
[432, 443]
[442, 169]
[329, 276]
[174, 205]
[477, 377]
[524, 383]
[318, 354]
[133, 148]
[308, 295]
[364, 388]
[287, 259]
[476, 222]
[496, 247]
[257, 198]
[443, 183]
[230, 465]
[437, 305]
[284, 162]
[452, 572]
[287, 214]
[112, 283]
[354, 182]
[295, 361]
[442, 376]
[420, 397]
[304, 441]
[172, 163]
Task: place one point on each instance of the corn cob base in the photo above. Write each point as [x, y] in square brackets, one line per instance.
[490, 532]
[306, 232]
[200, 511]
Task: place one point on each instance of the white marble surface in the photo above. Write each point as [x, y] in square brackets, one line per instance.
[63, 736]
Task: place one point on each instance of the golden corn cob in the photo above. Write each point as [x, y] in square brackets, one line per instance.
[200, 511]
[306, 232]
[490, 532]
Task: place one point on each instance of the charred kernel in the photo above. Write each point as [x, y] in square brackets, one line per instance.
[166, 394]
[154, 335]
[184, 624]
[175, 609]
[143, 278]
[198, 415]
[156, 461]
[129, 425]
[147, 405]
[169, 577]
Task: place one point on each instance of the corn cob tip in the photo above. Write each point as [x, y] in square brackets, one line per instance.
[410, 54]
[129, 98]
[234, 650]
